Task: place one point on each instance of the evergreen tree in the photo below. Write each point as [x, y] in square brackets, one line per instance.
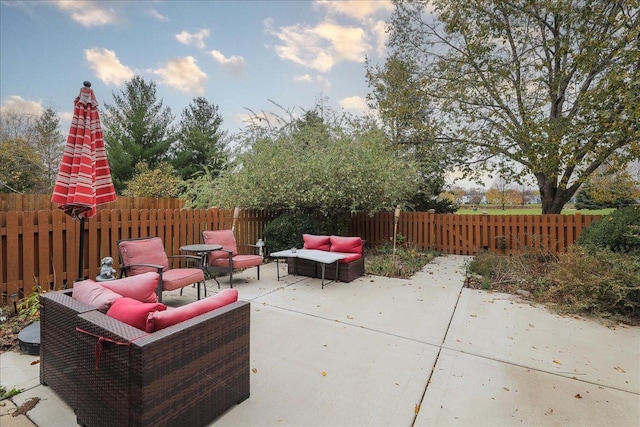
[137, 128]
[50, 144]
[199, 149]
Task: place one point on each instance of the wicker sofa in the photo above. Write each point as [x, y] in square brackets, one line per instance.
[111, 373]
[349, 268]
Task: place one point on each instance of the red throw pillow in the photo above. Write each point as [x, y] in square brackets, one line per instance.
[91, 293]
[133, 312]
[141, 287]
[346, 244]
[164, 319]
[321, 243]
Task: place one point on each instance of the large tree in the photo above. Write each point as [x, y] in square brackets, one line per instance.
[200, 145]
[49, 144]
[137, 128]
[527, 87]
[403, 107]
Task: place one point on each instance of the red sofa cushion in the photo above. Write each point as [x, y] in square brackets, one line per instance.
[321, 243]
[133, 312]
[350, 257]
[163, 319]
[141, 287]
[91, 293]
[346, 244]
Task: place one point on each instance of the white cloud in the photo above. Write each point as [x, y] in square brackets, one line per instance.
[322, 46]
[233, 64]
[107, 66]
[357, 9]
[18, 104]
[153, 12]
[380, 35]
[88, 13]
[319, 80]
[183, 74]
[354, 103]
[196, 39]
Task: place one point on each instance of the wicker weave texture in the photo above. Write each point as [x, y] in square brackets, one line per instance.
[58, 349]
[346, 271]
[114, 374]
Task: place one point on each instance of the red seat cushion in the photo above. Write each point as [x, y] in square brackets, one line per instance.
[163, 319]
[133, 312]
[180, 277]
[312, 241]
[349, 257]
[142, 287]
[346, 244]
[239, 261]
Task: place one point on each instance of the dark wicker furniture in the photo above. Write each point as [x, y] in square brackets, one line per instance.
[346, 271]
[113, 374]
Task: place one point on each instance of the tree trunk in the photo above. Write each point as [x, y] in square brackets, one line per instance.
[553, 199]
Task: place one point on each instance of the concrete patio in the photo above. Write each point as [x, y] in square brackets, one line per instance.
[393, 352]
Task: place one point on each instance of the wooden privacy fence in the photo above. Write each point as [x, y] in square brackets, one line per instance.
[466, 234]
[35, 202]
[41, 247]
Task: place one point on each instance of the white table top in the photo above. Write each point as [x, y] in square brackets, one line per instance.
[324, 257]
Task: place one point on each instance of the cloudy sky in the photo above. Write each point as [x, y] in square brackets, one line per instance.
[239, 55]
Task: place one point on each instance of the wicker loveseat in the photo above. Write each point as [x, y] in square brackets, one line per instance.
[349, 268]
[112, 374]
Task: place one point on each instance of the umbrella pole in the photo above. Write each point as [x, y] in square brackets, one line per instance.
[81, 254]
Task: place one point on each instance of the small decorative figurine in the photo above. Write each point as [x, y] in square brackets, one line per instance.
[106, 271]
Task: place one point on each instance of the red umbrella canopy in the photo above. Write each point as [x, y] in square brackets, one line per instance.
[84, 179]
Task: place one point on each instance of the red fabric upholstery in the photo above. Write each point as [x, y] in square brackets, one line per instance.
[181, 277]
[321, 243]
[224, 238]
[91, 293]
[349, 257]
[346, 244]
[238, 261]
[133, 312]
[142, 287]
[163, 319]
[143, 251]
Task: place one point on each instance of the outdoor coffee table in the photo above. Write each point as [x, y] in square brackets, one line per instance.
[202, 250]
[324, 258]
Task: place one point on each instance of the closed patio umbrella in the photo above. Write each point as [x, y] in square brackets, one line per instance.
[84, 178]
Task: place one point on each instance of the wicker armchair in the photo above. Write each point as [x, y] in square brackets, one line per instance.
[113, 374]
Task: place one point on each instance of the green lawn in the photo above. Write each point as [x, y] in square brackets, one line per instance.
[533, 210]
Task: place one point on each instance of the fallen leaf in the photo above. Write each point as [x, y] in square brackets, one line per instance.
[557, 362]
[619, 369]
[474, 315]
[349, 317]
[549, 411]
[531, 325]
[506, 389]
[254, 370]
[26, 407]
[35, 362]
[578, 396]
[324, 373]
[416, 409]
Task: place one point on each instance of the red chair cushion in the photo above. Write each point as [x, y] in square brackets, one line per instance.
[350, 257]
[180, 277]
[321, 243]
[346, 244]
[163, 319]
[143, 251]
[133, 312]
[220, 237]
[91, 293]
[142, 287]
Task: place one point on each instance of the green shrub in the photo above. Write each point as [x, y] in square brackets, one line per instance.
[285, 231]
[616, 231]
